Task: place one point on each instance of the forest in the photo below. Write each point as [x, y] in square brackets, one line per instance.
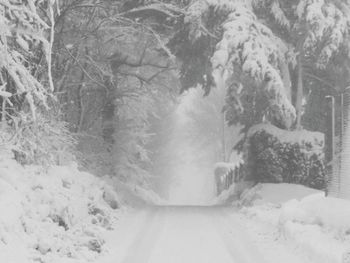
[89, 80]
[142, 95]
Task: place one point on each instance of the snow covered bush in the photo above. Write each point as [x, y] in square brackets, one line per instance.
[30, 126]
[276, 156]
[25, 42]
[58, 214]
[43, 141]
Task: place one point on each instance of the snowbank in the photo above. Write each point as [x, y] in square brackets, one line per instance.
[264, 201]
[313, 224]
[275, 193]
[54, 215]
[328, 212]
[321, 224]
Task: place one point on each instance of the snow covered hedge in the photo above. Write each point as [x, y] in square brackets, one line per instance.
[275, 156]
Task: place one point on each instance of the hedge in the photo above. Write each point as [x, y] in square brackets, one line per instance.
[275, 156]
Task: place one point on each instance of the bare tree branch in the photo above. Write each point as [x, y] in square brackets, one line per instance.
[85, 72]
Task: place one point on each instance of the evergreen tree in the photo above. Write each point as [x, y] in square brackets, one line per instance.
[266, 44]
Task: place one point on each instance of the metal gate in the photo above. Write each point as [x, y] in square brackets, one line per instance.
[337, 142]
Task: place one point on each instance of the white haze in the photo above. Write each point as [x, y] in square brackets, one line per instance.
[193, 146]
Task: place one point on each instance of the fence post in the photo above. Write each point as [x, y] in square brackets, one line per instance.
[329, 141]
[341, 138]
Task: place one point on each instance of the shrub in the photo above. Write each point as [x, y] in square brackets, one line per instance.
[276, 156]
[45, 141]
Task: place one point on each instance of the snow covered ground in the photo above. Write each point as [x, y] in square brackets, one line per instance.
[194, 234]
[63, 215]
[313, 225]
[59, 214]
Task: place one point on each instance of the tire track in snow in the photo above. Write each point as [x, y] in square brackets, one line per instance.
[195, 235]
[190, 236]
[141, 248]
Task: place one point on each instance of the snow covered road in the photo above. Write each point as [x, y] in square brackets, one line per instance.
[181, 234]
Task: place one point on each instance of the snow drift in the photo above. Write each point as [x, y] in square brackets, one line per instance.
[313, 224]
[55, 215]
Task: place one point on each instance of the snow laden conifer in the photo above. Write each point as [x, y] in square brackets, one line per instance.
[267, 41]
[316, 30]
[248, 45]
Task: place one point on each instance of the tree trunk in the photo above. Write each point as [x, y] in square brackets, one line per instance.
[108, 119]
[286, 78]
[3, 113]
[81, 109]
[300, 91]
[220, 80]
